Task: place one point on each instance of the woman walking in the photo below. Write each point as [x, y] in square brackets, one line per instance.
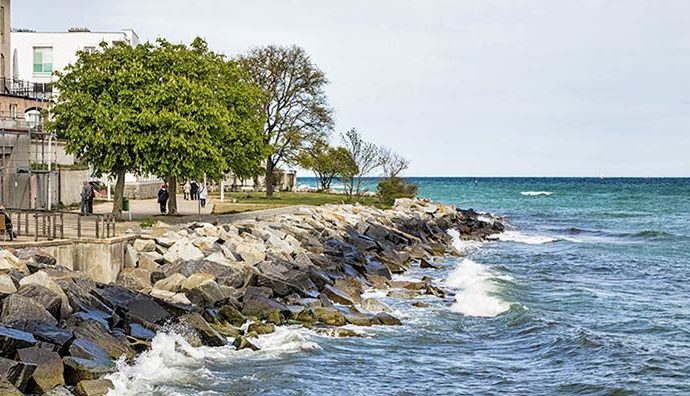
[203, 194]
[163, 196]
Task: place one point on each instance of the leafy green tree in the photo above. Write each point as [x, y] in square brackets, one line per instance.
[295, 106]
[98, 112]
[166, 109]
[392, 186]
[206, 116]
[328, 163]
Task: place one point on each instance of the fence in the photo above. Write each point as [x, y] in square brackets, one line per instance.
[50, 225]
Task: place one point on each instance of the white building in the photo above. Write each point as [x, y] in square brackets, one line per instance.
[36, 55]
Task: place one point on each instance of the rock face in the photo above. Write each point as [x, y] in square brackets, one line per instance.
[61, 331]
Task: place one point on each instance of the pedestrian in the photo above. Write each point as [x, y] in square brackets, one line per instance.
[8, 223]
[87, 198]
[163, 196]
[91, 198]
[194, 188]
[187, 189]
[203, 194]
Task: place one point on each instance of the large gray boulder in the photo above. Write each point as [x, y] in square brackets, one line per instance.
[16, 373]
[78, 369]
[16, 309]
[44, 297]
[95, 387]
[49, 371]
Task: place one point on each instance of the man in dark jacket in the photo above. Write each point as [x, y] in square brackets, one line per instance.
[163, 196]
[195, 190]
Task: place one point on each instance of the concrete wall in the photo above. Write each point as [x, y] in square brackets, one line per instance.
[71, 183]
[141, 190]
[99, 259]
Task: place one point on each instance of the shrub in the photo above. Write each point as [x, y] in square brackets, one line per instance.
[391, 188]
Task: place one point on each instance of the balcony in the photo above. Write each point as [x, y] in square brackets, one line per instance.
[26, 89]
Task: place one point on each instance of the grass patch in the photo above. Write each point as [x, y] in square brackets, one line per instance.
[257, 201]
[147, 222]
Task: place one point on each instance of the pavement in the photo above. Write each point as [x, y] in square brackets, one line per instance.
[145, 208]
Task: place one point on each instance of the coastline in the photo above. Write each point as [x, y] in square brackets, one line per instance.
[226, 284]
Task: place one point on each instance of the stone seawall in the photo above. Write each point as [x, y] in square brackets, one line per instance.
[61, 329]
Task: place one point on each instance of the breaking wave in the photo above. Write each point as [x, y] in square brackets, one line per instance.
[535, 193]
[172, 361]
[515, 236]
[476, 284]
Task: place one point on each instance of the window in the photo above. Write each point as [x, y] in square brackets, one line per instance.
[43, 60]
[90, 50]
[13, 111]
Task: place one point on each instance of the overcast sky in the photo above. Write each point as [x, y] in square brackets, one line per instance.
[461, 87]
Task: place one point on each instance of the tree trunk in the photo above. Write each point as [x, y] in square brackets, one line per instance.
[359, 182]
[172, 191]
[119, 194]
[269, 178]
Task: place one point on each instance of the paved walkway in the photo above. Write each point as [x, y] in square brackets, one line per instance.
[146, 208]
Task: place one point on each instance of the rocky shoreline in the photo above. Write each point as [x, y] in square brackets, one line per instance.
[61, 332]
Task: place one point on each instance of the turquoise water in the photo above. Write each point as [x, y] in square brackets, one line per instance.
[588, 293]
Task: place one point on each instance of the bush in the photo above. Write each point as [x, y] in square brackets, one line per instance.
[390, 189]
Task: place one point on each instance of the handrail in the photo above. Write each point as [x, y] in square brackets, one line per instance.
[52, 225]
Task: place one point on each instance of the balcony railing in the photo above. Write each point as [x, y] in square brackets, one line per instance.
[26, 89]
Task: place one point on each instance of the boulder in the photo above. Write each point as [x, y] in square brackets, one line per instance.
[206, 334]
[337, 296]
[358, 319]
[219, 258]
[9, 262]
[78, 369]
[96, 332]
[329, 316]
[423, 263]
[242, 342]
[188, 268]
[49, 369]
[44, 297]
[95, 387]
[420, 304]
[45, 332]
[17, 308]
[261, 328]
[173, 283]
[59, 391]
[350, 286]
[135, 278]
[144, 245]
[149, 261]
[131, 257]
[209, 293]
[87, 349]
[374, 305]
[258, 306]
[16, 373]
[384, 318]
[42, 278]
[250, 255]
[194, 280]
[231, 315]
[7, 389]
[404, 293]
[183, 250]
[375, 267]
[205, 244]
[7, 284]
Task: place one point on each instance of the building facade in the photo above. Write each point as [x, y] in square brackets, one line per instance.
[36, 55]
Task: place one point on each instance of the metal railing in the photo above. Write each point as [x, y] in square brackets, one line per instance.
[26, 89]
[51, 225]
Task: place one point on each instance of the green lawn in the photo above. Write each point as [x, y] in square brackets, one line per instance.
[258, 201]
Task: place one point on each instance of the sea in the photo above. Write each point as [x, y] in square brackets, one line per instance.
[587, 292]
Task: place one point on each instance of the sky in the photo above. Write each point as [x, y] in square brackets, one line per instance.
[461, 87]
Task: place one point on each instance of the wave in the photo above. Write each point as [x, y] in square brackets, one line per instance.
[515, 236]
[464, 246]
[535, 193]
[476, 296]
[171, 360]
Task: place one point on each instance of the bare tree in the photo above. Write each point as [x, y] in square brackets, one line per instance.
[295, 104]
[393, 164]
[365, 154]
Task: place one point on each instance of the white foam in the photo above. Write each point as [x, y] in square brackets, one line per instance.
[477, 290]
[172, 360]
[535, 193]
[515, 236]
[461, 245]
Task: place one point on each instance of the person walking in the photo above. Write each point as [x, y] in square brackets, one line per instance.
[163, 196]
[194, 189]
[203, 194]
[8, 223]
[187, 189]
[87, 198]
